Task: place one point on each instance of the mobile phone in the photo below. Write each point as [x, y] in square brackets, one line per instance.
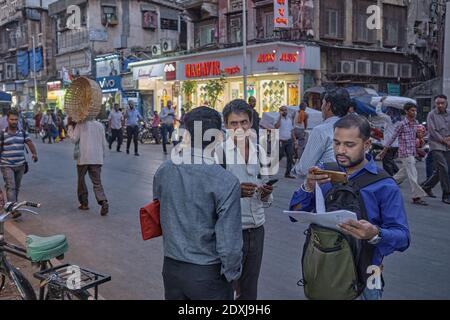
[271, 182]
[335, 176]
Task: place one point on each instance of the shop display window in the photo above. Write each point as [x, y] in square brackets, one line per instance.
[273, 95]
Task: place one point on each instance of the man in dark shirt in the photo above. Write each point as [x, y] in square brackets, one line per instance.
[255, 114]
[200, 219]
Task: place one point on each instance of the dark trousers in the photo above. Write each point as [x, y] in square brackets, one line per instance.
[166, 132]
[95, 176]
[132, 132]
[441, 162]
[48, 133]
[155, 133]
[187, 281]
[247, 285]
[286, 149]
[116, 134]
[389, 164]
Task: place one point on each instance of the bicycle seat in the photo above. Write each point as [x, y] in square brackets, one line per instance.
[45, 248]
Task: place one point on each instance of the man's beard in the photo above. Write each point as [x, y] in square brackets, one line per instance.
[351, 163]
[13, 126]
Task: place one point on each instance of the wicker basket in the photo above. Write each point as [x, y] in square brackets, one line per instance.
[83, 99]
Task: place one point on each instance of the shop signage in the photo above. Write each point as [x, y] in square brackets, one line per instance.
[54, 86]
[232, 70]
[266, 57]
[109, 84]
[393, 89]
[148, 71]
[170, 71]
[108, 66]
[280, 14]
[289, 57]
[272, 57]
[202, 69]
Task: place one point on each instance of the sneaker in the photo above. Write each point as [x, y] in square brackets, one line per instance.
[118, 150]
[446, 200]
[419, 201]
[136, 154]
[104, 209]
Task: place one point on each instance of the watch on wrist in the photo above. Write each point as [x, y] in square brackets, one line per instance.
[377, 239]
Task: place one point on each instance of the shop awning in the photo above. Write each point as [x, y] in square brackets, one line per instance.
[5, 97]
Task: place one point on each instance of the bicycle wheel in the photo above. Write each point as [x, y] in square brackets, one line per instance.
[15, 286]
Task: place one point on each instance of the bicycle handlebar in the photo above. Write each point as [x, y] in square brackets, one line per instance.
[33, 205]
[11, 207]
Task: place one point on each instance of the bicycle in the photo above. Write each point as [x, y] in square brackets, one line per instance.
[56, 283]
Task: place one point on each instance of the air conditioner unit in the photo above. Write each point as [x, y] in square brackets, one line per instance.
[377, 69]
[346, 67]
[156, 49]
[168, 45]
[10, 71]
[406, 71]
[391, 70]
[363, 67]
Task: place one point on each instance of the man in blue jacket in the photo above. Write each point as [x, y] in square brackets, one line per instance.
[387, 229]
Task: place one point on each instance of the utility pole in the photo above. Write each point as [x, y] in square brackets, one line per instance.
[34, 71]
[244, 45]
[446, 74]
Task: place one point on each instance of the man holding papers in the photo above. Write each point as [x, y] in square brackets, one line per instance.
[386, 230]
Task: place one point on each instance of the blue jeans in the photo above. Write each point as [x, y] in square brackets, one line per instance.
[429, 166]
[371, 294]
[166, 132]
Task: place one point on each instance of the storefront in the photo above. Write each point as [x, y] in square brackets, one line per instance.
[275, 75]
[55, 94]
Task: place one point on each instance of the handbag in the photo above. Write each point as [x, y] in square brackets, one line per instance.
[150, 220]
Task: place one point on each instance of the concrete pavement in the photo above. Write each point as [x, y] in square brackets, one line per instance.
[113, 244]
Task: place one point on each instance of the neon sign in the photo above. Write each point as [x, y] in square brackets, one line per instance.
[202, 69]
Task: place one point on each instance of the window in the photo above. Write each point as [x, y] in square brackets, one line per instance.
[332, 17]
[207, 34]
[361, 33]
[235, 5]
[268, 25]
[235, 27]
[169, 24]
[109, 15]
[149, 20]
[394, 20]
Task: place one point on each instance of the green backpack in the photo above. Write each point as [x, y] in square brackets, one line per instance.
[334, 265]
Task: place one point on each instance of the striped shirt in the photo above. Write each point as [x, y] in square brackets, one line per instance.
[13, 154]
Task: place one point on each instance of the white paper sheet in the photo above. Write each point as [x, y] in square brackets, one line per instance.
[329, 219]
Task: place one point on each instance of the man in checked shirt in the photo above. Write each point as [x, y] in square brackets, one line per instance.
[406, 133]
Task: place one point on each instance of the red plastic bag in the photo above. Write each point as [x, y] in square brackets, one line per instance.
[150, 223]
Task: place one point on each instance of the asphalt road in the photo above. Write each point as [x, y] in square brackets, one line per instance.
[113, 245]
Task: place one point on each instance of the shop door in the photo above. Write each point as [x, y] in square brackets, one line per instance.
[147, 103]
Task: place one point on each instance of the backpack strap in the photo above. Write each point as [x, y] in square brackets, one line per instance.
[2, 138]
[366, 179]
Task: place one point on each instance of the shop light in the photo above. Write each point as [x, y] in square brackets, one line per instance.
[274, 51]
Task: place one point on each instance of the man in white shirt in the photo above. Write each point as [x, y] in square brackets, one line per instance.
[243, 161]
[389, 164]
[319, 148]
[90, 147]
[285, 126]
[116, 122]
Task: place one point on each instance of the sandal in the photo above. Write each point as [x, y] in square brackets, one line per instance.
[419, 201]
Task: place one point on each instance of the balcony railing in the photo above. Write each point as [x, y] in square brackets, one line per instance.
[72, 40]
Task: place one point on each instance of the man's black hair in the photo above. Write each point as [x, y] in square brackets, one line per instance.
[13, 112]
[440, 96]
[209, 118]
[355, 121]
[237, 106]
[339, 100]
[409, 106]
